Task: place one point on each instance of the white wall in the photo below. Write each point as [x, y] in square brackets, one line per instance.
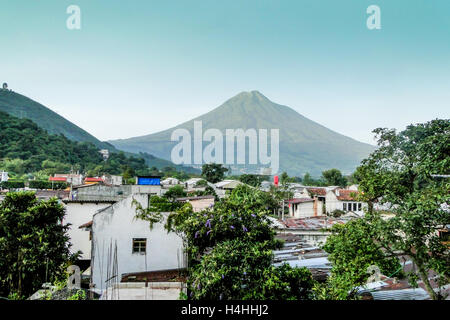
[305, 209]
[78, 214]
[118, 224]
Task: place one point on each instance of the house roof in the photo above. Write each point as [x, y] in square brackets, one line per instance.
[88, 201]
[155, 276]
[228, 184]
[195, 198]
[86, 225]
[93, 180]
[60, 179]
[346, 195]
[313, 223]
[301, 200]
[317, 191]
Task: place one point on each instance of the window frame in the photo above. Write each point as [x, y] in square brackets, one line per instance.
[140, 244]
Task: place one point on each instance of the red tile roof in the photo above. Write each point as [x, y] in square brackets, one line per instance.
[317, 191]
[60, 179]
[346, 195]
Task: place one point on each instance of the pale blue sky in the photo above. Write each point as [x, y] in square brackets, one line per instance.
[138, 67]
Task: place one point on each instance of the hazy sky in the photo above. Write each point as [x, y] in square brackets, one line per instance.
[138, 67]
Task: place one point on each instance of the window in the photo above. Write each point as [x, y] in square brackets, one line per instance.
[139, 245]
[354, 206]
[344, 206]
[359, 206]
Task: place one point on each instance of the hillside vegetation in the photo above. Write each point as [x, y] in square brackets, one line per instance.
[27, 148]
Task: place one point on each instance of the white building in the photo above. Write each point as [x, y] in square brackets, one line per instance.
[112, 180]
[222, 187]
[318, 201]
[345, 200]
[4, 176]
[81, 212]
[305, 207]
[139, 249]
[170, 182]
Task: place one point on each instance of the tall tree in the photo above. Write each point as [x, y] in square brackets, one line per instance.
[213, 172]
[401, 175]
[334, 177]
[33, 243]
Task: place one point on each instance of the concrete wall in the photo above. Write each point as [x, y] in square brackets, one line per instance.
[78, 214]
[201, 204]
[107, 193]
[118, 225]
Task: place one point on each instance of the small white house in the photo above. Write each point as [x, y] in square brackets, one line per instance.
[305, 208]
[135, 247]
[345, 200]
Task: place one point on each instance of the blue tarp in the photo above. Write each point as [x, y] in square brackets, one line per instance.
[148, 181]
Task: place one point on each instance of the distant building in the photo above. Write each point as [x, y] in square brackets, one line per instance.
[112, 179]
[305, 207]
[191, 183]
[72, 178]
[170, 182]
[320, 201]
[4, 176]
[93, 180]
[102, 192]
[105, 153]
[222, 187]
[199, 203]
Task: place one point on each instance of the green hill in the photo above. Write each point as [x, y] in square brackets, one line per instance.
[305, 146]
[22, 107]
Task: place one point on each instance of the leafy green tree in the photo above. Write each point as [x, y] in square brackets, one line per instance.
[285, 179]
[400, 173]
[242, 270]
[352, 248]
[175, 192]
[253, 180]
[33, 243]
[334, 177]
[213, 172]
[230, 251]
[310, 181]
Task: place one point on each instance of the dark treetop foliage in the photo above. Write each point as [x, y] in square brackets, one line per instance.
[33, 243]
[213, 172]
